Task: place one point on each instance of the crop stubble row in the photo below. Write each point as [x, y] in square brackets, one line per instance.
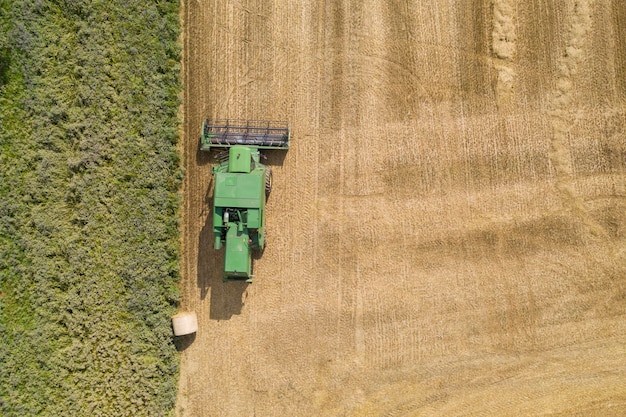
[420, 256]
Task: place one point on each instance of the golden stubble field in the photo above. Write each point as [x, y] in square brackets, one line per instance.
[447, 233]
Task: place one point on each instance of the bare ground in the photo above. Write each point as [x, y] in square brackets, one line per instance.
[447, 234]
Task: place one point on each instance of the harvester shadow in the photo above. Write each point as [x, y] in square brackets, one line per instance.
[227, 298]
[202, 157]
[273, 157]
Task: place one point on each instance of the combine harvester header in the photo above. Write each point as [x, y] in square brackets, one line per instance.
[258, 134]
[242, 186]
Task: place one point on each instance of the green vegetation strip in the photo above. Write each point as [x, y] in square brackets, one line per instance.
[89, 175]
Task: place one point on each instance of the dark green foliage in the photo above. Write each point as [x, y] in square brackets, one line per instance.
[89, 176]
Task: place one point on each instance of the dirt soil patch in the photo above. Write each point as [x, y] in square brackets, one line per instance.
[447, 234]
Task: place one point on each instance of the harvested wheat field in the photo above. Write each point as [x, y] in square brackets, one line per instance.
[447, 233]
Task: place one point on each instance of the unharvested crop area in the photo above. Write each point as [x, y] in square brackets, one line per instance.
[89, 180]
[447, 234]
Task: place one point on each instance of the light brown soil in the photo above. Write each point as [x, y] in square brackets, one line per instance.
[447, 234]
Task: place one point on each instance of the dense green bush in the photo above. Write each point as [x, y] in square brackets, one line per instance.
[88, 206]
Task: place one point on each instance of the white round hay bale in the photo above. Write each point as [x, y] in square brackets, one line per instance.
[185, 323]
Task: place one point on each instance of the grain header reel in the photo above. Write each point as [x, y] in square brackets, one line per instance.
[242, 185]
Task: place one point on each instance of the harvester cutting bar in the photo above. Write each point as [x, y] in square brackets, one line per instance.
[261, 134]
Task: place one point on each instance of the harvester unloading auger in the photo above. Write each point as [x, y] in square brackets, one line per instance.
[242, 185]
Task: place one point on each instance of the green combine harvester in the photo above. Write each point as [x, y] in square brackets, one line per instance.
[242, 185]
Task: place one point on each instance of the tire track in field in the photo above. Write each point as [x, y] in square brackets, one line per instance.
[562, 117]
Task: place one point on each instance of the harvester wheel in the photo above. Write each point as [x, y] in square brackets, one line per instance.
[268, 182]
[184, 323]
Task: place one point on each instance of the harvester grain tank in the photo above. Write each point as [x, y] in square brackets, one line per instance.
[242, 184]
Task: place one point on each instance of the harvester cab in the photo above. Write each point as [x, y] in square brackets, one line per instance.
[241, 187]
